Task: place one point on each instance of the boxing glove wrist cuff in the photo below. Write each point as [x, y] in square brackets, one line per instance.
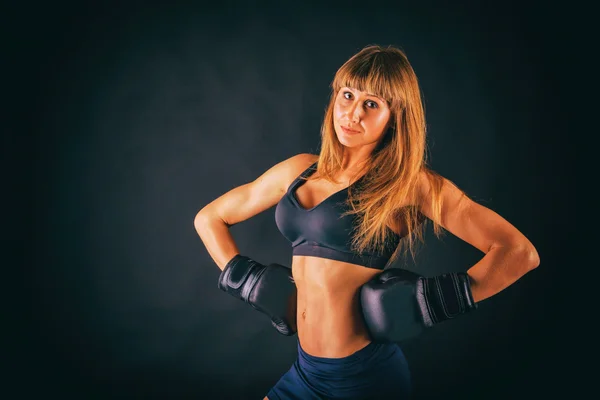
[445, 297]
[237, 274]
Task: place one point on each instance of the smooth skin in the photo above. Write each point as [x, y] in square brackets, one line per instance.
[328, 315]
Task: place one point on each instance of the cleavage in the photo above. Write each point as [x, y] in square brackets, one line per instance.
[311, 194]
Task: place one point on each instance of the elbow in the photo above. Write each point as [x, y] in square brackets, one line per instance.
[533, 258]
[206, 218]
[528, 257]
[201, 220]
[521, 259]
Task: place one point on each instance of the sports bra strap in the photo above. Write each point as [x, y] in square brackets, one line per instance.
[305, 174]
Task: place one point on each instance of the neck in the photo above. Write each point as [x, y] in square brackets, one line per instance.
[354, 159]
[353, 163]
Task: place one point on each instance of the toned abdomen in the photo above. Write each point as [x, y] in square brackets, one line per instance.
[328, 311]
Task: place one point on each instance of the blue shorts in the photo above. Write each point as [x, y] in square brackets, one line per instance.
[377, 371]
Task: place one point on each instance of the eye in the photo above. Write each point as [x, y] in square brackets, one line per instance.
[347, 95]
[371, 104]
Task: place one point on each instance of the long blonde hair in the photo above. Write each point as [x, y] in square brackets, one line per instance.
[388, 191]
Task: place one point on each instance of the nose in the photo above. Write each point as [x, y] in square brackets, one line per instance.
[355, 112]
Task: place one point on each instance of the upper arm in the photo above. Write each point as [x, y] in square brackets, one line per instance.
[470, 221]
[250, 199]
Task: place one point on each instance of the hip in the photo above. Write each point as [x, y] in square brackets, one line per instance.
[378, 370]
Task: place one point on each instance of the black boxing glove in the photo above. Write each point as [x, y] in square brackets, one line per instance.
[399, 304]
[269, 289]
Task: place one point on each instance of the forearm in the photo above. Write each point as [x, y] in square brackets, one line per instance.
[217, 239]
[500, 268]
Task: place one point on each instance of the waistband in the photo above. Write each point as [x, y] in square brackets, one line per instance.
[371, 372]
[367, 361]
[359, 355]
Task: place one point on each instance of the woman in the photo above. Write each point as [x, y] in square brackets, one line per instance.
[348, 213]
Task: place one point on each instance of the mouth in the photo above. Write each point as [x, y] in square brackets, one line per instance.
[348, 130]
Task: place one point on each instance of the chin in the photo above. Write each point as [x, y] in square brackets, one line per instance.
[343, 141]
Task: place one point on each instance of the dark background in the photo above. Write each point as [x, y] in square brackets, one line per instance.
[124, 120]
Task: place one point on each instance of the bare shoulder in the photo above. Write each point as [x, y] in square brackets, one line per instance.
[301, 162]
[303, 159]
[435, 190]
[284, 172]
[292, 167]
[429, 180]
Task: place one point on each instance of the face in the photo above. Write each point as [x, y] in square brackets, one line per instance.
[359, 118]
